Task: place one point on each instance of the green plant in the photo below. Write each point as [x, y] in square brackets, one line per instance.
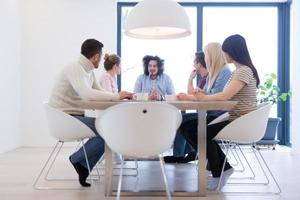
[270, 92]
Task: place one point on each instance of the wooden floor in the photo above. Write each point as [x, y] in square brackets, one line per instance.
[19, 168]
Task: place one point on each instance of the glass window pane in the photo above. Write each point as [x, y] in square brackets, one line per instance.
[259, 25]
[177, 53]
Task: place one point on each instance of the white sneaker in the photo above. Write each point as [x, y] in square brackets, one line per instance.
[213, 183]
[226, 175]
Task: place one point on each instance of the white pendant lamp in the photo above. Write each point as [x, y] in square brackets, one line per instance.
[157, 19]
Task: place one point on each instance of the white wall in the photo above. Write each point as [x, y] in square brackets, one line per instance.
[53, 33]
[10, 74]
[295, 71]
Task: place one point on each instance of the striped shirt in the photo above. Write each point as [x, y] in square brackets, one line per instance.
[246, 97]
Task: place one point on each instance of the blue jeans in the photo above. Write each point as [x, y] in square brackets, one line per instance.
[181, 147]
[94, 146]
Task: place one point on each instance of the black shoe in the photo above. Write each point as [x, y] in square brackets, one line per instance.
[82, 172]
[173, 159]
[190, 157]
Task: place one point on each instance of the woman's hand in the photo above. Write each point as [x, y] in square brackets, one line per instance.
[185, 97]
[199, 95]
[196, 90]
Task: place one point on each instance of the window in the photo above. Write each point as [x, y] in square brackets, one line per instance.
[264, 25]
[257, 24]
[177, 53]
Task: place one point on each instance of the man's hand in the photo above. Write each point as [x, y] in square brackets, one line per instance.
[154, 96]
[125, 95]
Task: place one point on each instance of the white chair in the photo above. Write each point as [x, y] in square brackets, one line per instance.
[247, 129]
[221, 118]
[140, 130]
[234, 153]
[236, 147]
[64, 128]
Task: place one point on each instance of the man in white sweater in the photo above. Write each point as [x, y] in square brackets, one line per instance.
[77, 82]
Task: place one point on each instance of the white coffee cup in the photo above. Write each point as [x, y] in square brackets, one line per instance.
[141, 96]
[170, 97]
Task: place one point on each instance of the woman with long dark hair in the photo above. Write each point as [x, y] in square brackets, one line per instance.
[241, 88]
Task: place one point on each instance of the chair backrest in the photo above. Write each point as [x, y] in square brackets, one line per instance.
[248, 128]
[64, 127]
[141, 129]
[221, 118]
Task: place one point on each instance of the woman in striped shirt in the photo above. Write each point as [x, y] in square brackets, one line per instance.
[242, 88]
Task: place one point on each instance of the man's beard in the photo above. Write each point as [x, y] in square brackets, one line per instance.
[96, 65]
[152, 75]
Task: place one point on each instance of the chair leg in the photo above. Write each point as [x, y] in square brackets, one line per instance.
[234, 157]
[269, 170]
[45, 165]
[97, 169]
[86, 159]
[165, 177]
[77, 146]
[46, 177]
[252, 171]
[135, 168]
[239, 161]
[120, 180]
[51, 165]
[224, 147]
[264, 172]
[260, 165]
[278, 187]
[223, 167]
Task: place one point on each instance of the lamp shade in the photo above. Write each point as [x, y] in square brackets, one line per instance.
[157, 19]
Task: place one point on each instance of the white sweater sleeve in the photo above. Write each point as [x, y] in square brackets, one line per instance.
[79, 81]
[96, 85]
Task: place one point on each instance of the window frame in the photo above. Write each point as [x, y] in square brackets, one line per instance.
[283, 108]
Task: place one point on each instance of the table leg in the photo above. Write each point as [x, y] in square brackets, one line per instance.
[202, 152]
[108, 171]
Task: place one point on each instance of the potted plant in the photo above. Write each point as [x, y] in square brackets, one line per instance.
[269, 92]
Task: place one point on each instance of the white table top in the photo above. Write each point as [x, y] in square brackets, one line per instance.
[181, 105]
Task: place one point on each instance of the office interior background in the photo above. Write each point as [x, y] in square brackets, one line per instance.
[39, 37]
